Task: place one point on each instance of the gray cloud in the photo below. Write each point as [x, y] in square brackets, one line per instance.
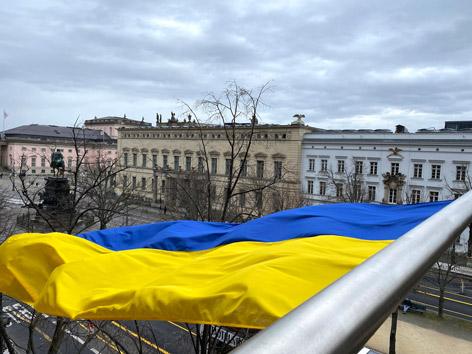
[343, 64]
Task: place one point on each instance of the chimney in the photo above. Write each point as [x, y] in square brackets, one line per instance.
[400, 129]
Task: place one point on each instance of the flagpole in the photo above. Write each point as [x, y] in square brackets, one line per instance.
[3, 131]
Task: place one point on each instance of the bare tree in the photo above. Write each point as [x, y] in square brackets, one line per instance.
[347, 182]
[99, 181]
[461, 185]
[242, 191]
[237, 111]
[7, 228]
[88, 193]
[443, 274]
[91, 194]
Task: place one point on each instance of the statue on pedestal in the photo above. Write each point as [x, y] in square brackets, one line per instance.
[57, 162]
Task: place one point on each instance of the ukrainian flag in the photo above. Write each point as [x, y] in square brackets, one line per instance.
[246, 275]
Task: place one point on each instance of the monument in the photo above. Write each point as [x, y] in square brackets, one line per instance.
[56, 197]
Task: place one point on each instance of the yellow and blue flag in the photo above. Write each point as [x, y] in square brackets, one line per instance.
[246, 275]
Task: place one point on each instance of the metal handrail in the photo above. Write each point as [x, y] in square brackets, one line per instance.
[343, 316]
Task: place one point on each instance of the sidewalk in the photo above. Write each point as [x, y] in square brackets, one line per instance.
[418, 334]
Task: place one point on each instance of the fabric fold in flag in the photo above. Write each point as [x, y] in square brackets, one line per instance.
[245, 275]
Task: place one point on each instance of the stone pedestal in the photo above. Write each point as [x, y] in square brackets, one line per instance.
[56, 195]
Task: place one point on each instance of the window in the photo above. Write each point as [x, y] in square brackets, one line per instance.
[242, 200]
[176, 163]
[135, 160]
[154, 161]
[213, 193]
[43, 161]
[359, 167]
[310, 187]
[34, 149]
[228, 165]
[188, 163]
[125, 159]
[243, 168]
[324, 165]
[134, 182]
[322, 188]
[258, 199]
[125, 182]
[395, 168]
[418, 170]
[164, 161]
[69, 162]
[23, 148]
[143, 183]
[260, 169]
[339, 190]
[433, 196]
[435, 171]
[144, 160]
[277, 170]
[200, 164]
[340, 166]
[392, 196]
[371, 193]
[311, 164]
[110, 131]
[70, 150]
[373, 167]
[33, 161]
[460, 173]
[214, 165]
[415, 196]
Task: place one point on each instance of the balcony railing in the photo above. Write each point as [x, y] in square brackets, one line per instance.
[342, 317]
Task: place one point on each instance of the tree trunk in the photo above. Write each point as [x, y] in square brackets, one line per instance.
[469, 243]
[3, 333]
[441, 302]
[393, 332]
[58, 336]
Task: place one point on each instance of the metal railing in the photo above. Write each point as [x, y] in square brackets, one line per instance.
[342, 317]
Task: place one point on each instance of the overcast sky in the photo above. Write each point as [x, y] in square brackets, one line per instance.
[343, 64]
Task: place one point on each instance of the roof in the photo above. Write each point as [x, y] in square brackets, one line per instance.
[56, 132]
[116, 120]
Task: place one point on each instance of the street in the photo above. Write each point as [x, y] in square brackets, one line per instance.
[160, 336]
[458, 297]
[95, 336]
[169, 337]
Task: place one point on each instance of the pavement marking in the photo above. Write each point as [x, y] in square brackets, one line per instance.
[111, 345]
[448, 292]
[458, 313]
[144, 340]
[81, 341]
[22, 316]
[185, 329]
[445, 298]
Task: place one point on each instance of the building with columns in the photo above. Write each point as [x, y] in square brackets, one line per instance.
[158, 157]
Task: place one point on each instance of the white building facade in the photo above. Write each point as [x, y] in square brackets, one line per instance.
[378, 166]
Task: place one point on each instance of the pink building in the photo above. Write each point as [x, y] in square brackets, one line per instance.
[28, 148]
